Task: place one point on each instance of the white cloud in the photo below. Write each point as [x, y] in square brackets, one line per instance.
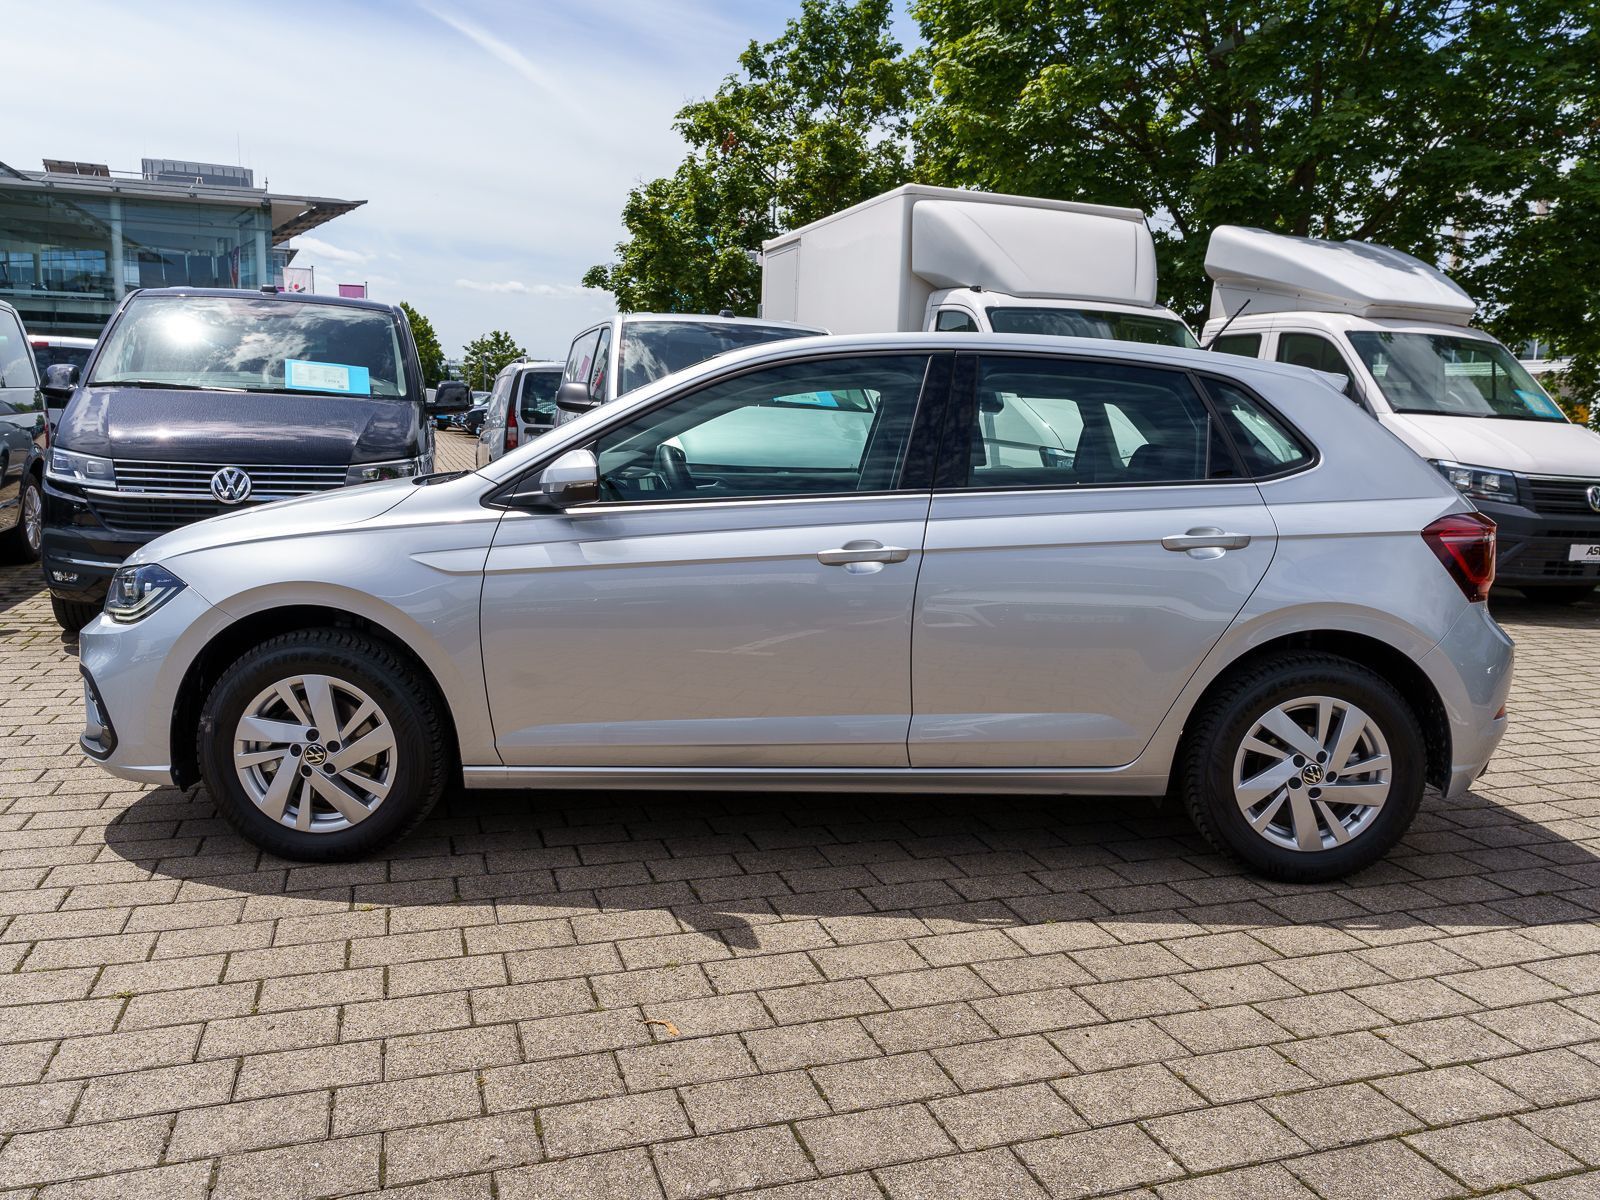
[486, 41]
[329, 252]
[515, 286]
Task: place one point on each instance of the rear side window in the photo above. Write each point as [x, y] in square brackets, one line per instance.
[1060, 423]
[1245, 345]
[1265, 444]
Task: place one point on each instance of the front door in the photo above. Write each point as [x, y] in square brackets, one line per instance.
[740, 596]
[1091, 536]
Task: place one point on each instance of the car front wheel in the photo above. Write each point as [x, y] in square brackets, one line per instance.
[1306, 766]
[323, 745]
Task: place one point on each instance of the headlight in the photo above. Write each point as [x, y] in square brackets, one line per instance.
[1480, 483]
[86, 470]
[136, 592]
[397, 468]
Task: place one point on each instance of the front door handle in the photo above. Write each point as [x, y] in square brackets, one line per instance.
[864, 551]
[1206, 537]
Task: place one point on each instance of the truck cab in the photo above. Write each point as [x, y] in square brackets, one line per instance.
[948, 260]
[1396, 329]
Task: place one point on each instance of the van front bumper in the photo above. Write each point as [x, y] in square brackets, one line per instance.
[79, 555]
[1535, 548]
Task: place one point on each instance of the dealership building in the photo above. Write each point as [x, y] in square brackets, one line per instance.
[76, 237]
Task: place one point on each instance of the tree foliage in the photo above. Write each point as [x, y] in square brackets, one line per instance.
[1430, 125]
[484, 357]
[429, 351]
[812, 122]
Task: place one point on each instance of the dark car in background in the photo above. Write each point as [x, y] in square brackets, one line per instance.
[22, 421]
[199, 401]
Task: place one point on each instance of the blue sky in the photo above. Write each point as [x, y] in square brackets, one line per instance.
[494, 142]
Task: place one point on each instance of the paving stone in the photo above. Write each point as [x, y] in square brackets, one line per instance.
[621, 1175]
[557, 1081]
[723, 1162]
[1005, 1115]
[873, 1139]
[1386, 1170]
[761, 1100]
[164, 1089]
[878, 1082]
[249, 1125]
[460, 1147]
[1228, 1136]
[187, 1181]
[984, 1175]
[1273, 1182]
[375, 1107]
[1495, 1153]
[1450, 1095]
[1128, 1094]
[1340, 1116]
[595, 1125]
[318, 1171]
[1098, 1161]
[82, 1150]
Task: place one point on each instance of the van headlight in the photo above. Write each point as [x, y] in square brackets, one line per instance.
[395, 468]
[85, 470]
[1479, 483]
[136, 592]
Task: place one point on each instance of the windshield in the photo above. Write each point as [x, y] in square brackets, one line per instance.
[266, 345]
[651, 349]
[1452, 377]
[1092, 323]
[539, 395]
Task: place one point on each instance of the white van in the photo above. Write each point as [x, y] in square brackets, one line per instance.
[954, 261]
[1397, 330]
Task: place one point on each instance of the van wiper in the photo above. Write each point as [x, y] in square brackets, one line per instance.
[161, 383]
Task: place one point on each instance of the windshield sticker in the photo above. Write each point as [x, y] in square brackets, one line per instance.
[327, 377]
[1538, 402]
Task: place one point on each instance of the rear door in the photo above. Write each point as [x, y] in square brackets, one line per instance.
[1090, 538]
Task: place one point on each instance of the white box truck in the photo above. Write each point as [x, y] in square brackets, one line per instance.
[922, 258]
[1398, 329]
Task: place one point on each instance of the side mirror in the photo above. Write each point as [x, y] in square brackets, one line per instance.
[573, 397]
[450, 396]
[571, 480]
[59, 381]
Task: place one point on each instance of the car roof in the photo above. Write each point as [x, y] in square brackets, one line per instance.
[703, 318]
[60, 339]
[281, 297]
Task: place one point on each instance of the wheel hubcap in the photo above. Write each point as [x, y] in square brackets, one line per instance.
[315, 753]
[1312, 773]
[32, 517]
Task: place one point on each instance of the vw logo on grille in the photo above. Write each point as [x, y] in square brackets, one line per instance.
[1594, 497]
[230, 485]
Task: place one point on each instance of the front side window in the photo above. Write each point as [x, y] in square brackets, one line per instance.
[1311, 350]
[538, 403]
[1451, 376]
[651, 349]
[581, 357]
[1092, 323]
[600, 367]
[1045, 423]
[229, 343]
[801, 429]
[1264, 443]
[16, 356]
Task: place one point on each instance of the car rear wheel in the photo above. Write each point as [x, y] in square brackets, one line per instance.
[73, 615]
[1306, 766]
[323, 745]
[21, 542]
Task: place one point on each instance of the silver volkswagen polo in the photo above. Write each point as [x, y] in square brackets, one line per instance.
[912, 563]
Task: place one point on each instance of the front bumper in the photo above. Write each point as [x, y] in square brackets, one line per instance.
[79, 555]
[137, 671]
[1471, 669]
[1534, 547]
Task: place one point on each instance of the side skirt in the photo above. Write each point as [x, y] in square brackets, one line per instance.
[1020, 781]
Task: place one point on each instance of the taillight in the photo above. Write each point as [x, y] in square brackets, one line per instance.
[1464, 543]
[511, 432]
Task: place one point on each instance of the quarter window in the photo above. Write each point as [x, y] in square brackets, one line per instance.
[1043, 423]
[1267, 446]
[800, 429]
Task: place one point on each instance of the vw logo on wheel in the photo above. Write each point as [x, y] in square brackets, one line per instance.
[1594, 497]
[230, 485]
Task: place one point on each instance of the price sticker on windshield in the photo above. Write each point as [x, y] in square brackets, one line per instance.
[307, 376]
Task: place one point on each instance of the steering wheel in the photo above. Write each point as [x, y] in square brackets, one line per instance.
[673, 466]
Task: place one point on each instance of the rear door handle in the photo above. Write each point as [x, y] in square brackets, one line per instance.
[863, 551]
[1206, 537]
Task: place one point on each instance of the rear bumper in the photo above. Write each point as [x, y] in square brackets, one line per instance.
[1471, 669]
[1534, 548]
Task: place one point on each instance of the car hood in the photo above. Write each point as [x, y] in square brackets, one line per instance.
[1530, 447]
[240, 428]
[286, 518]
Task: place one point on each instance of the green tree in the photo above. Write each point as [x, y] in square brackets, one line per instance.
[483, 357]
[428, 349]
[812, 122]
[1429, 125]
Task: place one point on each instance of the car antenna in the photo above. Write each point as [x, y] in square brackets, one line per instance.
[1212, 340]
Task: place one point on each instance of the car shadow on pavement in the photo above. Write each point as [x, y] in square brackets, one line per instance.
[737, 867]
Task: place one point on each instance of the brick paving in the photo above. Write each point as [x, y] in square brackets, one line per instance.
[812, 998]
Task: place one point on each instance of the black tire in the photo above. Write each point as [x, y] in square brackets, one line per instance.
[424, 762]
[73, 615]
[1205, 778]
[15, 546]
[1558, 593]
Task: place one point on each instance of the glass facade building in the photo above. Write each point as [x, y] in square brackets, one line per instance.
[74, 239]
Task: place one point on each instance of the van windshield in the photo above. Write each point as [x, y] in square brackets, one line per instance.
[651, 349]
[235, 343]
[1092, 323]
[1452, 376]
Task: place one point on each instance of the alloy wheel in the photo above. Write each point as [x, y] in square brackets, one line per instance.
[315, 753]
[1312, 773]
[32, 517]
